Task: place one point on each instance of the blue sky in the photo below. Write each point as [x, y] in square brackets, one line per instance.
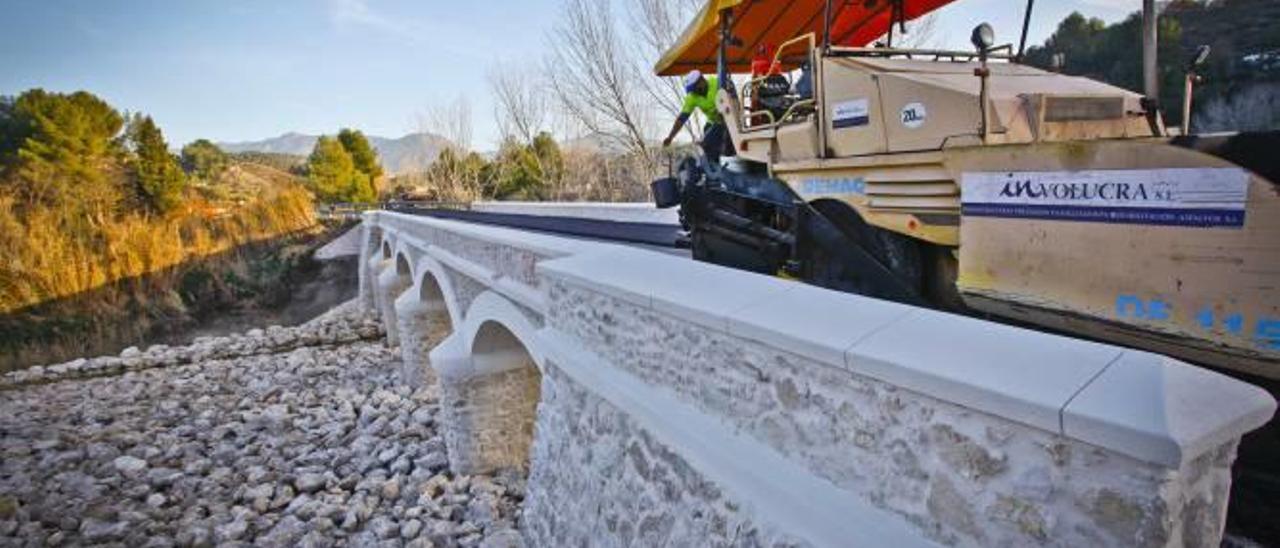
[231, 70]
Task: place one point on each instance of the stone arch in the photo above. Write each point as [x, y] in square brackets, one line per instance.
[492, 306]
[430, 292]
[431, 269]
[424, 317]
[491, 384]
[495, 349]
[403, 266]
[386, 248]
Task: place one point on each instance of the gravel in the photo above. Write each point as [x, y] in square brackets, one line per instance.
[299, 436]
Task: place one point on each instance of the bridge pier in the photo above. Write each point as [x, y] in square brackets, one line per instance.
[418, 330]
[374, 268]
[392, 282]
[369, 265]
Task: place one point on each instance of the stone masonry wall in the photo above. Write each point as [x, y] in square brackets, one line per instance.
[508, 261]
[489, 420]
[599, 479]
[961, 477]
[465, 288]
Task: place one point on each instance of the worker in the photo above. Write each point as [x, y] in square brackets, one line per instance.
[765, 63]
[700, 93]
[765, 68]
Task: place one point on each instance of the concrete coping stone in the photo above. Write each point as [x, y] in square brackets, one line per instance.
[1150, 407]
[541, 244]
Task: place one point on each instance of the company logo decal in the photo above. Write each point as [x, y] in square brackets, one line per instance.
[846, 185]
[1203, 197]
[851, 113]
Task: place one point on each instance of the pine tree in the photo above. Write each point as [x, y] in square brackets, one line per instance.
[550, 159]
[362, 153]
[333, 174]
[66, 149]
[10, 131]
[159, 177]
[518, 175]
[204, 160]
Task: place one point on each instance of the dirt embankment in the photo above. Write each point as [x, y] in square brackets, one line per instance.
[273, 282]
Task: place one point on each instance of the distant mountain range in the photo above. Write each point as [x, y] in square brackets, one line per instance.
[413, 152]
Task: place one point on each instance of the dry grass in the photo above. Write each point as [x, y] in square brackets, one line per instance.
[45, 261]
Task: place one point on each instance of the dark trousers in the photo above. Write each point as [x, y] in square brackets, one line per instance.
[716, 142]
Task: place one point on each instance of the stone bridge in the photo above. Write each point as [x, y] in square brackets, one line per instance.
[654, 400]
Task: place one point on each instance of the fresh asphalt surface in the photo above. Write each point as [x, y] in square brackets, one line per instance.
[660, 237]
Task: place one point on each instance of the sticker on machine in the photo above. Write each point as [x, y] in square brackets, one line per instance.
[913, 115]
[850, 113]
[1197, 197]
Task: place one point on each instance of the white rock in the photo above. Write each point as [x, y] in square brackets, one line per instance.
[384, 527]
[231, 531]
[409, 530]
[156, 500]
[310, 482]
[129, 465]
[506, 538]
[96, 531]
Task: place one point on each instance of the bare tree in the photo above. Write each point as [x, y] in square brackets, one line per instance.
[454, 175]
[921, 33]
[450, 120]
[657, 24]
[520, 105]
[596, 80]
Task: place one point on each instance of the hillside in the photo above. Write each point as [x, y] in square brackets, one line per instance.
[243, 181]
[412, 152]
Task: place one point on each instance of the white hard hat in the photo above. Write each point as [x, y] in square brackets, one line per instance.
[691, 79]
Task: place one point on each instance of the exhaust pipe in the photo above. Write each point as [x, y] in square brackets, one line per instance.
[1150, 42]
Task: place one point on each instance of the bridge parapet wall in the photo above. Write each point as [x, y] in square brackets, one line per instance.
[685, 403]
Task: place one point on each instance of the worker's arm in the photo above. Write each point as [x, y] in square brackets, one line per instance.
[675, 129]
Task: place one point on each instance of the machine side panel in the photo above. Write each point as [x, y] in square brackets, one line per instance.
[1134, 236]
[853, 120]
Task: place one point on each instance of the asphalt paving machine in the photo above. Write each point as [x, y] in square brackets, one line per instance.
[968, 181]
